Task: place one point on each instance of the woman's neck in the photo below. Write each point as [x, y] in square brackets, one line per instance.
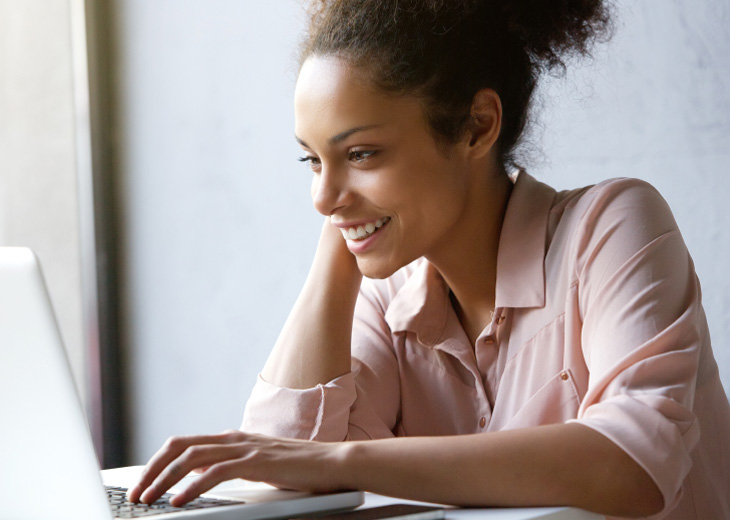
[468, 263]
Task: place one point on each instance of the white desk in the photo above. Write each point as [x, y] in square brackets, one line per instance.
[500, 513]
[126, 477]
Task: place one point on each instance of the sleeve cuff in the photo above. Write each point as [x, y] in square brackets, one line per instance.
[660, 446]
[320, 413]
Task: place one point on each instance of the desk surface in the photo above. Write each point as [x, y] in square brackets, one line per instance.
[499, 513]
[126, 477]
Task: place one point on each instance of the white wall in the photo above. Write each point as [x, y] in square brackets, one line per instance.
[219, 228]
[38, 189]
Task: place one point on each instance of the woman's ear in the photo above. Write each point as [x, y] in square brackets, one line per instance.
[486, 122]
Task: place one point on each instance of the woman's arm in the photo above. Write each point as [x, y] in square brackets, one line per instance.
[565, 464]
[314, 345]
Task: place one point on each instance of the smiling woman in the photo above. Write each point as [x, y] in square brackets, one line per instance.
[478, 338]
[374, 159]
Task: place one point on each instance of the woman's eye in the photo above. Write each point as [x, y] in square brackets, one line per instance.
[361, 155]
[314, 162]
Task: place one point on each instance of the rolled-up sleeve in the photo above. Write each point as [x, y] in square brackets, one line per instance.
[362, 404]
[319, 413]
[642, 334]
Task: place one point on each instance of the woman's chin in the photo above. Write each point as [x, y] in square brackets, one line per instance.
[378, 270]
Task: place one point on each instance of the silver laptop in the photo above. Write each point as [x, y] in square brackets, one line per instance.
[48, 468]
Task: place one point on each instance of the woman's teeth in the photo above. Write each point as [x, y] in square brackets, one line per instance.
[360, 232]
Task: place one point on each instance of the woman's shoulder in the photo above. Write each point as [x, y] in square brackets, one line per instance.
[614, 221]
[611, 203]
[610, 191]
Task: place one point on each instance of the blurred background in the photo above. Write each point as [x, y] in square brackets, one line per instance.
[147, 155]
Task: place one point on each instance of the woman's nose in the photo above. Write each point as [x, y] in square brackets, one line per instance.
[330, 191]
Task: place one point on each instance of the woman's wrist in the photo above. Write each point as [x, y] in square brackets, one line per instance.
[345, 458]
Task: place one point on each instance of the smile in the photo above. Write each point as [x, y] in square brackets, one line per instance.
[364, 231]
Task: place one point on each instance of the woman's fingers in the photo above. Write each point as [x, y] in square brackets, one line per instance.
[214, 475]
[289, 463]
[169, 452]
[193, 457]
[164, 468]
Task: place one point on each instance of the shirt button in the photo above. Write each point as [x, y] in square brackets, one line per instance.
[564, 376]
[489, 339]
[500, 319]
[482, 422]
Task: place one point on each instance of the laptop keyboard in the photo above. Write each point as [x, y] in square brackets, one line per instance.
[123, 508]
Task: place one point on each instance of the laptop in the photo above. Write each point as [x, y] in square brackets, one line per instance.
[48, 467]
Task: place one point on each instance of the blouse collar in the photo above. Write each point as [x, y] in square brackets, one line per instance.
[422, 304]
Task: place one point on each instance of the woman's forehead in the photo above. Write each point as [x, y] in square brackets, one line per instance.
[327, 80]
[332, 96]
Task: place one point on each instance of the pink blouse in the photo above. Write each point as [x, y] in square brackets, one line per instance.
[598, 320]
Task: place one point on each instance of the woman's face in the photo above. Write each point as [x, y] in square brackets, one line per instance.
[377, 171]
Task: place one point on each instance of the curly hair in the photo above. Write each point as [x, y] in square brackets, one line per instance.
[445, 51]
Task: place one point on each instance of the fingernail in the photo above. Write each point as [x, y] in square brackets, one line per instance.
[145, 498]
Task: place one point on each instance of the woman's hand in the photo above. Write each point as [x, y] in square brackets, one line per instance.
[332, 253]
[286, 463]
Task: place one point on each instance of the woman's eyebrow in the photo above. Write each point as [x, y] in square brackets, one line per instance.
[342, 135]
[347, 133]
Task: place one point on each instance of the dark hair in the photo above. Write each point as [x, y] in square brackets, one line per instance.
[447, 50]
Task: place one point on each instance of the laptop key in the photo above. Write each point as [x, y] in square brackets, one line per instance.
[122, 508]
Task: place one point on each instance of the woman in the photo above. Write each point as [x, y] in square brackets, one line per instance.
[491, 341]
